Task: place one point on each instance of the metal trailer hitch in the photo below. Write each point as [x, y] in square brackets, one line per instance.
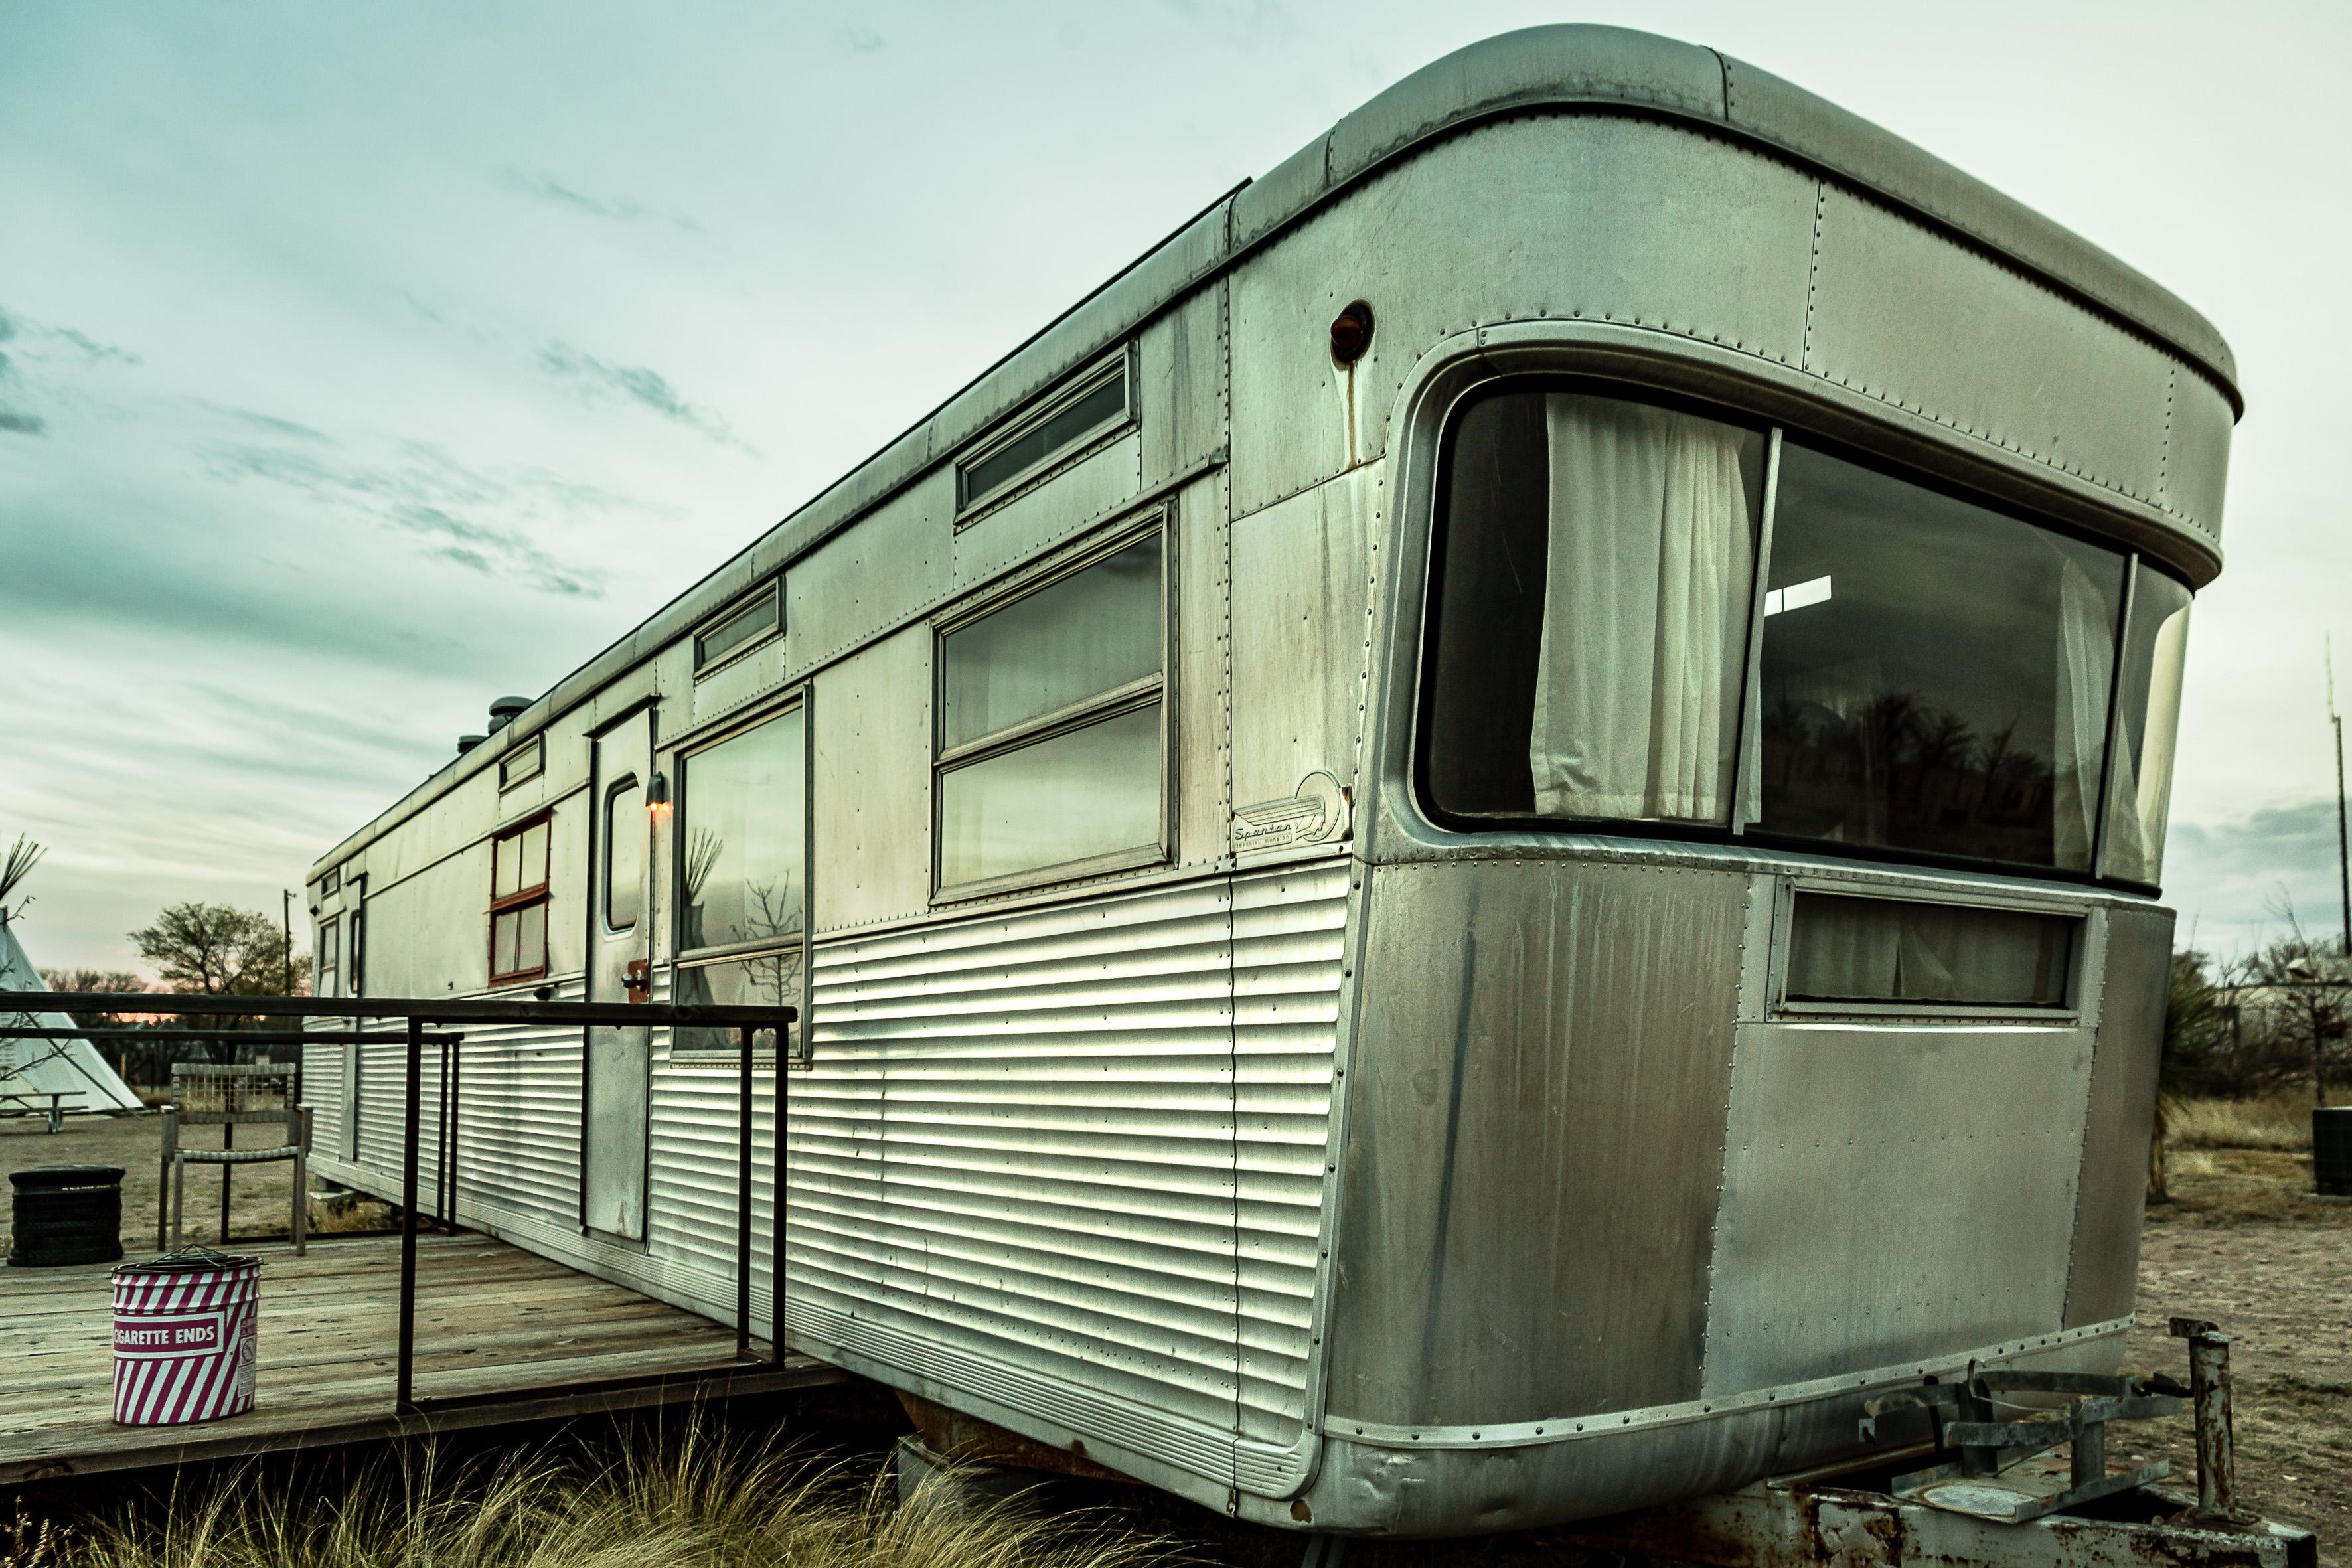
[2216, 1445]
[1992, 1491]
[2003, 1471]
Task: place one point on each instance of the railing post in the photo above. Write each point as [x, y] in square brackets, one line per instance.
[743, 1194]
[776, 1253]
[450, 1124]
[441, 1149]
[405, 1378]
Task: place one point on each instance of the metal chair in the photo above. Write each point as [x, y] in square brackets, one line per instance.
[230, 1097]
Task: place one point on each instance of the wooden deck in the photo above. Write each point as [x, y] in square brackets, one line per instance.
[502, 1335]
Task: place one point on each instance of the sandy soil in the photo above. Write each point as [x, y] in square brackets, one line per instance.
[262, 1195]
[2243, 1245]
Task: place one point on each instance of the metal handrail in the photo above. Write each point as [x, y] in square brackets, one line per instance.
[418, 1013]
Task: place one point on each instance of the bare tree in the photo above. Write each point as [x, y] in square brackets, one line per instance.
[117, 980]
[2307, 992]
[218, 950]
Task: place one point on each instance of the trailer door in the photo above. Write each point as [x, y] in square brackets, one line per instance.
[613, 1072]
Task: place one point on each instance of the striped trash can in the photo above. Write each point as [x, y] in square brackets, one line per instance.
[186, 1327]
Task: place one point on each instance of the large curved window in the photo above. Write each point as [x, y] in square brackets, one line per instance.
[1930, 678]
[1599, 566]
[1934, 674]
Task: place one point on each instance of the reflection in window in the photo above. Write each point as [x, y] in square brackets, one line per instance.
[1943, 685]
[1050, 726]
[519, 902]
[768, 979]
[330, 957]
[1934, 675]
[1598, 563]
[1094, 631]
[744, 838]
[1095, 402]
[753, 621]
[2148, 717]
[624, 854]
[1079, 795]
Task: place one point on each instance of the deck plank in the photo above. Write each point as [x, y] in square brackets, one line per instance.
[515, 1335]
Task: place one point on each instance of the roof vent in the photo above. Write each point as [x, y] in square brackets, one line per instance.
[503, 710]
[467, 743]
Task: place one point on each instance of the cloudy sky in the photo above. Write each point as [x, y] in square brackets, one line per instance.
[364, 363]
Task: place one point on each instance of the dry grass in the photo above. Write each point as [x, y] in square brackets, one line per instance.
[690, 1503]
[2281, 1121]
[349, 1214]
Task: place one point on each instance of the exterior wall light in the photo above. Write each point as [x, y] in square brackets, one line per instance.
[657, 798]
[1351, 333]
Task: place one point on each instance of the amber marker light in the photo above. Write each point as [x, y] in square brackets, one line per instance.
[1352, 333]
[657, 798]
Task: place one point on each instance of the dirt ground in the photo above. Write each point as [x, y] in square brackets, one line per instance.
[2240, 1244]
[2243, 1243]
[262, 1195]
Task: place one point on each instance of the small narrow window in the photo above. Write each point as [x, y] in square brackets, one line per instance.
[1091, 405]
[1860, 950]
[329, 958]
[329, 883]
[523, 762]
[356, 964]
[624, 854]
[1050, 729]
[519, 902]
[739, 628]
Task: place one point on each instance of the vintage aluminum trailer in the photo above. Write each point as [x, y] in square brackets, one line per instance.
[1479, 848]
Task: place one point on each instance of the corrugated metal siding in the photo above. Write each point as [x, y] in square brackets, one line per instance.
[692, 1171]
[1288, 932]
[1070, 1160]
[383, 1078]
[1019, 1168]
[518, 1118]
[322, 1092]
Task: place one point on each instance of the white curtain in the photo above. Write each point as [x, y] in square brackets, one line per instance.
[1886, 950]
[1647, 597]
[2087, 656]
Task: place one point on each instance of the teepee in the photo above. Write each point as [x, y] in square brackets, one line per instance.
[41, 1067]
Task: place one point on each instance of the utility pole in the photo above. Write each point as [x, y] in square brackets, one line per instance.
[286, 909]
[2342, 845]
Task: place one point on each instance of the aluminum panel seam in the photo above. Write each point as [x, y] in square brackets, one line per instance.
[1566, 1428]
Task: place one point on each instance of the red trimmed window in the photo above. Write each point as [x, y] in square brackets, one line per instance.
[519, 902]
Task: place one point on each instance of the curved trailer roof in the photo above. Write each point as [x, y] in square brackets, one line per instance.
[1561, 66]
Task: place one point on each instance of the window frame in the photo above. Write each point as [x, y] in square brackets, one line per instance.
[522, 898]
[1740, 830]
[326, 974]
[798, 700]
[1119, 365]
[769, 595]
[1126, 698]
[522, 762]
[604, 840]
[1781, 1009]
